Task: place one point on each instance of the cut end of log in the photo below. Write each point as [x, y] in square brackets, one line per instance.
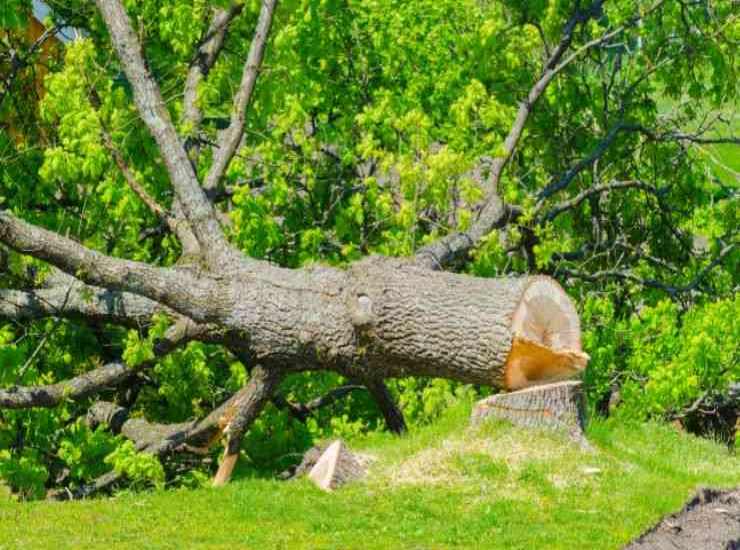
[336, 467]
[547, 337]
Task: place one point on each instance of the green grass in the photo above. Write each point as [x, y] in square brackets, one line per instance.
[442, 486]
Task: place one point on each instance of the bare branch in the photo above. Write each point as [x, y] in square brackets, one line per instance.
[175, 221]
[565, 180]
[393, 415]
[597, 189]
[80, 301]
[678, 136]
[157, 439]
[455, 246]
[128, 175]
[206, 56]
[684, 136]
[236, 420]
[301, 411]
[177, 289]
[198, 210]
[229, 139]
[625, 275]
[79, 387]
[96, 380]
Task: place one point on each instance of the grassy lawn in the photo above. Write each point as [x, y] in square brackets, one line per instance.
[443, 486]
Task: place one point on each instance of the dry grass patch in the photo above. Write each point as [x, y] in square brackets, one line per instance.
[494, 453]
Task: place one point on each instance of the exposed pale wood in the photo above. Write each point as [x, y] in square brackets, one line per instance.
[547, 337]
[239, 416]
[532, 363]
[336, 466]
[559, 407]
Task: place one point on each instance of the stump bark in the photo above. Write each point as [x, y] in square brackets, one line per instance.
[336, 467]
[559, 407]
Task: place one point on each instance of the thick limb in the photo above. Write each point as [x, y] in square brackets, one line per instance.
[77, 300]
[178, 289]
[96, 380]
[241, 414]
[147, 95]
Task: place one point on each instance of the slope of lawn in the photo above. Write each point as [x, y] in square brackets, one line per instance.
[442, 486]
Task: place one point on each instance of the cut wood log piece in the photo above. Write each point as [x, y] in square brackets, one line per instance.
[546, 344]
[336, 467]
[558, 407]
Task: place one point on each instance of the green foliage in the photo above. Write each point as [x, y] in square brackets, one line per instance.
[84, 452]
[142, 469]
[664, 361]
[26, 473]
[14, 14]
[680, 361]
[362, 135]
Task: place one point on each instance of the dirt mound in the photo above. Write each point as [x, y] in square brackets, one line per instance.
[710, 520]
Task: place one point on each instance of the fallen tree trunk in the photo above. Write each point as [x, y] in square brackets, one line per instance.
[385, 318]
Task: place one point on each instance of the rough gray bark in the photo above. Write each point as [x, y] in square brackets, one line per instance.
[560, 407]
[381, 318]
[205, 58]
[198, 210]
[78, 301]
[229, 139]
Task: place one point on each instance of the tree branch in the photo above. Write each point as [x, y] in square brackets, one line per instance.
[176, 221]
[597, 189]
[198, 210]
[455, 246]
[192, 296]
[394, 420]
[96, 380]
[206, 56]
[157, 439]
[229, 139]
[77, 300]
[241, 414]
[624, 275]
[563, 182]
[301, 411]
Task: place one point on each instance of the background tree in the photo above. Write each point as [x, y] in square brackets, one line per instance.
[582, 141]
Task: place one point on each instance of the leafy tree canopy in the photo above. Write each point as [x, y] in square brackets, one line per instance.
[373, 129]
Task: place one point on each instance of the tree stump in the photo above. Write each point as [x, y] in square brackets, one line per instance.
[559, 407]
[336, 467]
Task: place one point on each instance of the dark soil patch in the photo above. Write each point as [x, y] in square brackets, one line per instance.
[709, 521]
